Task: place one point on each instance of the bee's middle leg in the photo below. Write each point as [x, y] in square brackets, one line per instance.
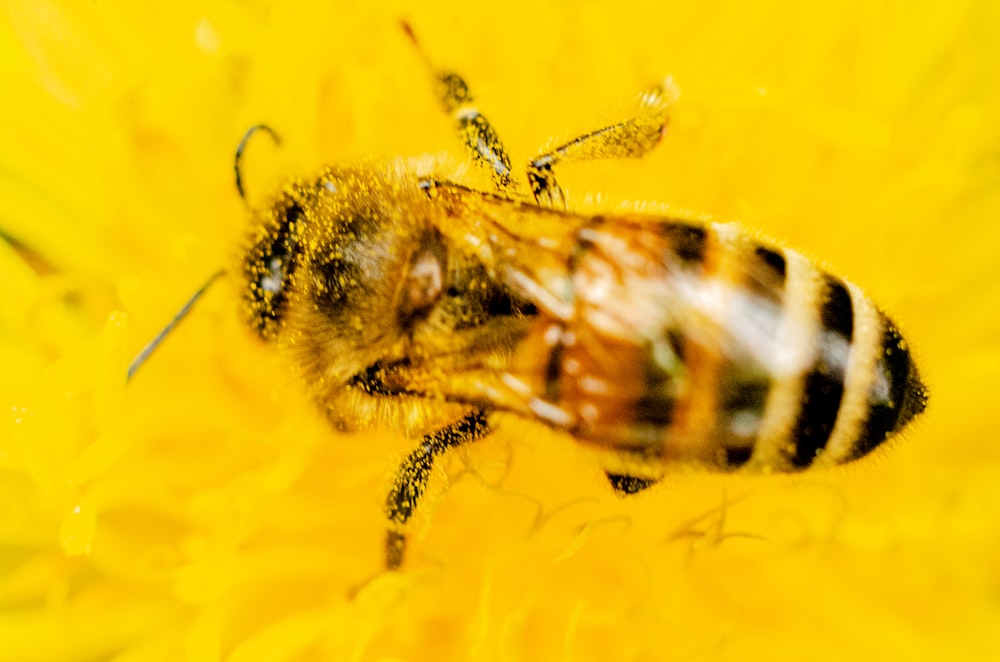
[631, 138]
[414, 474]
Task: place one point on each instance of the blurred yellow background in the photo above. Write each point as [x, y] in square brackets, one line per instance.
[206, 513]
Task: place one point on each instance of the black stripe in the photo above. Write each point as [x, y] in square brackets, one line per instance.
[892, 405]
[766, 273]
[824, 385]
[838, 311]
[774, 259]
[657, 403]
[687, 242]
[742, 399]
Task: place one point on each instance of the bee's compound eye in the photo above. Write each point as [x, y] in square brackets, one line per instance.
[277, 257]
[268, 267]
[274, 278]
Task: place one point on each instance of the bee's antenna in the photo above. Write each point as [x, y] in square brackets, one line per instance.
[181, 314]
[239, 152]
[408, 29]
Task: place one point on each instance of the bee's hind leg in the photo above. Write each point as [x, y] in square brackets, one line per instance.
[631, 138]
[479, 136]
[625, 485]
[414, 474]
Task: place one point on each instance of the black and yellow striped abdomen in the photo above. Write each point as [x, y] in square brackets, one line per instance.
[698, 344]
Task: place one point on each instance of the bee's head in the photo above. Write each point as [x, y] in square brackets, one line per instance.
[342, 267]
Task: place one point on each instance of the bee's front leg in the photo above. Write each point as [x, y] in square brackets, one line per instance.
[479, 136]
[631, 138]
[414, 474]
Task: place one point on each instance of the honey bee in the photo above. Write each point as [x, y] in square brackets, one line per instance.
[412, 301]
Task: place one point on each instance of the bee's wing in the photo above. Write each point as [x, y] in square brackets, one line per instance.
[636, 277]
[635, 313]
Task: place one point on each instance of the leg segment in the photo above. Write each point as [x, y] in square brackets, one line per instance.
[477, 133]
[624, 485]
[414, 474]
[485, 146]
[631, 138]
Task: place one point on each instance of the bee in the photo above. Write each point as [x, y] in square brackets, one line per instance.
[410, 300]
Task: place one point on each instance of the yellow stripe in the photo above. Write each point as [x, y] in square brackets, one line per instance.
[690, 433]
[865, 348]
[797, 336]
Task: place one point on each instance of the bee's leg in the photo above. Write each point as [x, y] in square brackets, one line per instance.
[414, 474]
[631, 138]
[624, 485]
[476, 132]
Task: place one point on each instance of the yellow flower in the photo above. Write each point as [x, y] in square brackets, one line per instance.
[204, 511]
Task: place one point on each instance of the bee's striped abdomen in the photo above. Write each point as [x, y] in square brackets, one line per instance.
[849, 385]
[712, 348]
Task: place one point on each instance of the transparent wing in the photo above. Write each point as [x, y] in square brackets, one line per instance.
[645, 325]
